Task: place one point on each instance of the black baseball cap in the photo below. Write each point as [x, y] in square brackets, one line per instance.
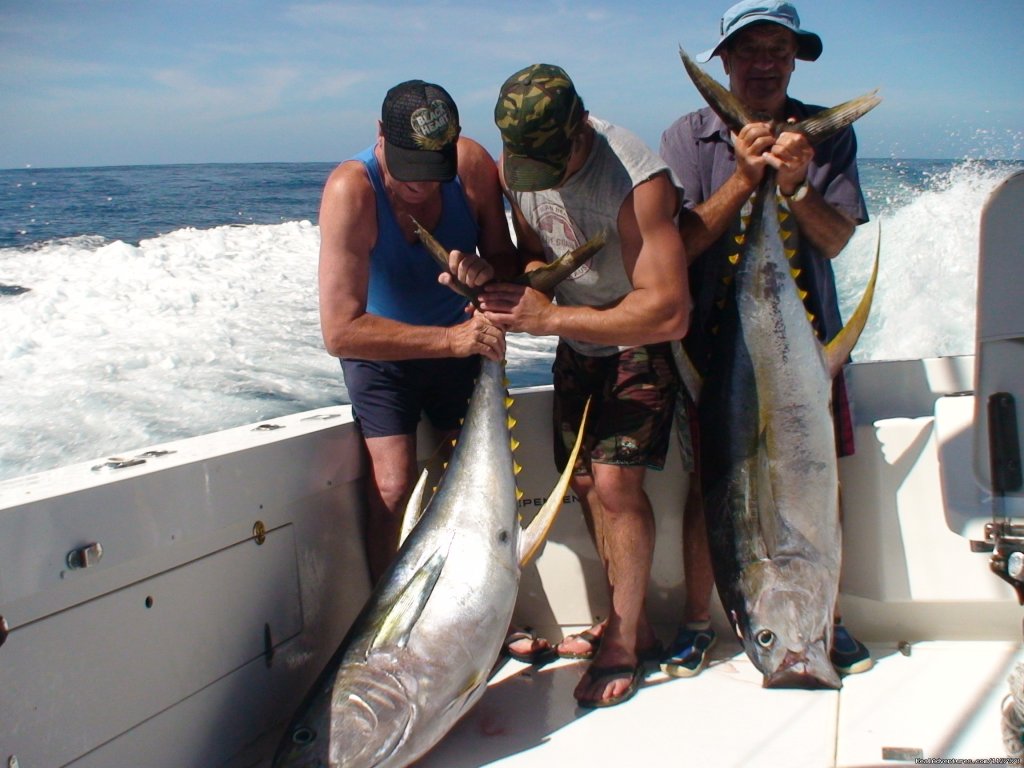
[420, 124]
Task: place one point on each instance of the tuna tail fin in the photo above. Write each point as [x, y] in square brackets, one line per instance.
[816, 128]
[725, 105]
[837, 351]
[547, 277]
[440, 256]
[535, 533]
[823, 124]
[405, 611]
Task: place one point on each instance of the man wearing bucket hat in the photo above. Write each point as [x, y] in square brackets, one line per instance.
[759, 44]
[405, 341]
[570, 176]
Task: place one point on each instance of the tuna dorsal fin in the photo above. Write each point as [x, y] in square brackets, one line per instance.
[405, 611]
[838, 350]
[823, 124]
[535, 533]
[725, 105]
[414, 508]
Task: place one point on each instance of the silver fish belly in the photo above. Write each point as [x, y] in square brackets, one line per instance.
[418, 656]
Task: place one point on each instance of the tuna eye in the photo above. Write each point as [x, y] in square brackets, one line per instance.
[503, 537]
[765, 638]
[303, 735]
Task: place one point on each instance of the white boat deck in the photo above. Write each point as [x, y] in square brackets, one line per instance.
[941, 702]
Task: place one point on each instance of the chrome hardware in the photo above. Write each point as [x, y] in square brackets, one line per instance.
[4, 630]
[84, 557]
[322, 417]
[116, 463]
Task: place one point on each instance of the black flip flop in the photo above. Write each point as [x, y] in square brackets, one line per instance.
[614, 672]
[535, 657]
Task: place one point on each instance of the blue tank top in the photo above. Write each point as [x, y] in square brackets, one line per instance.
[403, 276]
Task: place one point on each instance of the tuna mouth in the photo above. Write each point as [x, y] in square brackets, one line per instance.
[797, 671]
[795, 678]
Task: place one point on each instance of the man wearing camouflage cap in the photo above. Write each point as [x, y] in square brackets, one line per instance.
[407, 343]
[570, 176]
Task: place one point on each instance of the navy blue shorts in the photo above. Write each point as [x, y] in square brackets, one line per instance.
[388, 397]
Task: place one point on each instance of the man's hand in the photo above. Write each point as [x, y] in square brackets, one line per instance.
[468, 268]
[517, 308]
[753, 147]
[476, 336]
[790, 156]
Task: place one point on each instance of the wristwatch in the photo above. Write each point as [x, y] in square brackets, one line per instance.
[798, 194]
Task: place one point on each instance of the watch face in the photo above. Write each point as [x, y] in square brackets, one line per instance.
[800, 193]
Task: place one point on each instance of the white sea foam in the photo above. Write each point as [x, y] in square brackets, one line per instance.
[927, 287]
[117, 347]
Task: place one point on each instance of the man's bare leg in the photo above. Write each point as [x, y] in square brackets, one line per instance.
[624, 522]
[697, 571]
[392, 476]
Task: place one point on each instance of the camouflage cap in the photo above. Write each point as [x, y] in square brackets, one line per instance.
[420, 124]
[538, 111]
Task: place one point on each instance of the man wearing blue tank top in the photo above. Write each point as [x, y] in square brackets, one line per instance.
[407, 344]
[569, 177]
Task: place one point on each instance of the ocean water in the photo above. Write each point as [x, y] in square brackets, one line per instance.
[145, 304]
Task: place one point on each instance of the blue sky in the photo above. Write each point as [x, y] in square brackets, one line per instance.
[109, 82]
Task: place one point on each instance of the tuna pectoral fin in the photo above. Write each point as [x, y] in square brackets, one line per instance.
[414, 509]
[837, 351]
[401, 617]
[537, 530]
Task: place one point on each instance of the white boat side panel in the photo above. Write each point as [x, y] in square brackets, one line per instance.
[969, 504]
[207, 495]
[124, 657]
[1000, 288]
[897, 545]
[887, 389]
[1000, 325]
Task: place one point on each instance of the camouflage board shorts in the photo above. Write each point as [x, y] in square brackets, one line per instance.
[632, 408]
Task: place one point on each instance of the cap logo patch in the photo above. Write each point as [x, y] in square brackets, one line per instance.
[432, 126]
